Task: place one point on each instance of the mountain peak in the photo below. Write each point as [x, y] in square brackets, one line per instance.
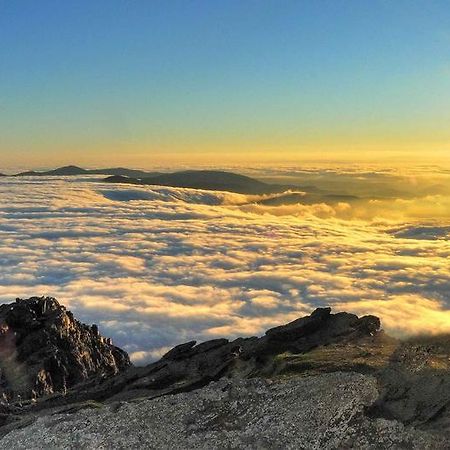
[68, 170]
[44, 350]
[55, 350]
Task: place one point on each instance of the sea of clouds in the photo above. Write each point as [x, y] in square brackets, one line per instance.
[157, 266]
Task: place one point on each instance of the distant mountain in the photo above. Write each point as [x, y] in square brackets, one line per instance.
[215, 180]
[68, 170]
[206, 179]
[75, 170]
[197, 179]
[29, 173]
[121, 171]
[212, 180]
[61, 171]
[122, 179]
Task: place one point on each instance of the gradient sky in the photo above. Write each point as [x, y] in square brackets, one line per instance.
[146, 83]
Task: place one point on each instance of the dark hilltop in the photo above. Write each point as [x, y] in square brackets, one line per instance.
[206, 179]
[75, 170]
[197, 179]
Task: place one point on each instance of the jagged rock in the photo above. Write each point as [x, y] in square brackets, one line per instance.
[321, 328]
[179, 351]
[44, 350]
[409, 382]
[189, 366]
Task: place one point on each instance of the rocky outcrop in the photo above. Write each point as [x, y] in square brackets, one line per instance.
[189, 366]
[415, 385]
[341, 377]
[44, 350]
[320, 412]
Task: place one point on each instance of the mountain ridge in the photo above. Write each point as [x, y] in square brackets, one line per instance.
[379, 390]
[72, 170]
[340, 376]
[215, 180]
[196, 179]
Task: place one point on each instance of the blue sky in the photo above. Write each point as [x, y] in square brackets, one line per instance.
[96, 80]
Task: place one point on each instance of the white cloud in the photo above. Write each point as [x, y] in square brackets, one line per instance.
[158, 266]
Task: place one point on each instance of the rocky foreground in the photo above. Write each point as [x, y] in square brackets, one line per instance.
[323, 381]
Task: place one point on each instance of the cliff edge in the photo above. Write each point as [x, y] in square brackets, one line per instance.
[322, 381]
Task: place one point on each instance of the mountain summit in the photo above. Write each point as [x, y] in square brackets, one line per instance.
[322, 381]
[75, 170]
[214, 180]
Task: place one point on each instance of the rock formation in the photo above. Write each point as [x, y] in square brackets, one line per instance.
[189, 366]
[324, 380]
[44, 350]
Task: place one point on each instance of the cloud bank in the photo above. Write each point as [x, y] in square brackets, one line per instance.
[158, 266]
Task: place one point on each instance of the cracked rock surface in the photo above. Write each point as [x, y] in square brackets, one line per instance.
[318, 412]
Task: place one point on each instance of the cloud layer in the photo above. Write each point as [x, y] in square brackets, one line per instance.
[158, 266]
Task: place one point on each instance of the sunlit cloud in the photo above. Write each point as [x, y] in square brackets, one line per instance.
[406, 314]
[155, 266]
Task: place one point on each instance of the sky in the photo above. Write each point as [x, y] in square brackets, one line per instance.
[148, 83]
